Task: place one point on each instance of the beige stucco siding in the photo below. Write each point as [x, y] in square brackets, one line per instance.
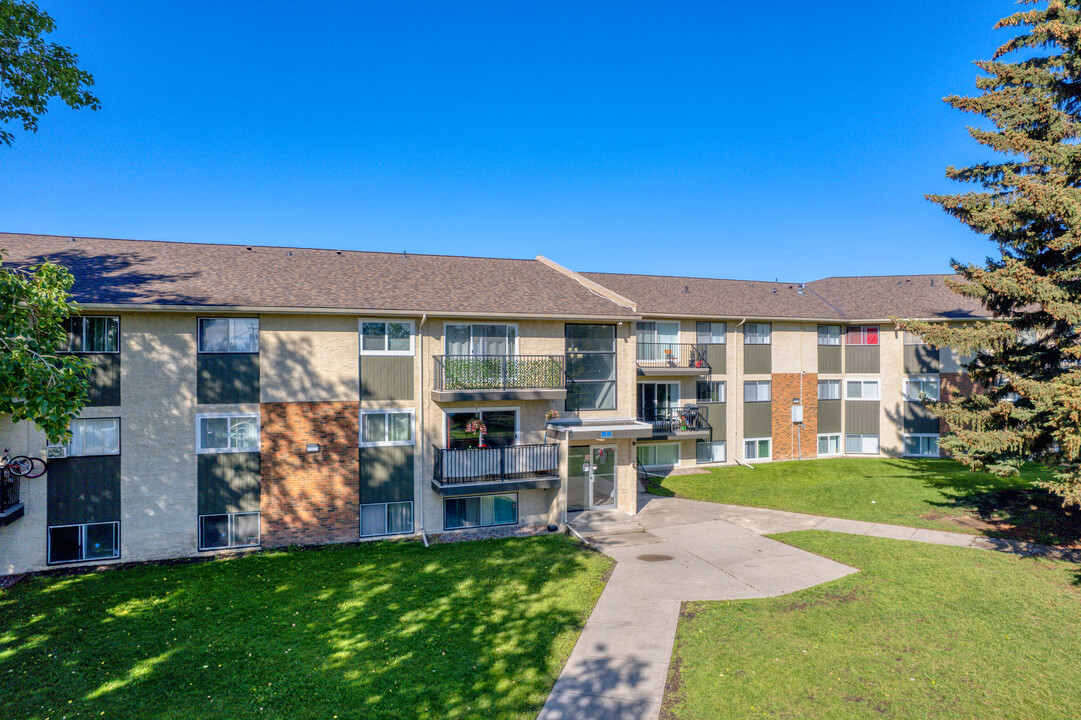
[795, 347]
[891, 424]
[308, 358]
[22, 543]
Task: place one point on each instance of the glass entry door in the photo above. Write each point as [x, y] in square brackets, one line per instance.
[591, 477]
[604, 476]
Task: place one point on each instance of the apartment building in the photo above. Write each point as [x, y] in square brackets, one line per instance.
[260, 396]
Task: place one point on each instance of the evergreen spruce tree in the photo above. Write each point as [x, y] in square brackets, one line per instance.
[1027, 360]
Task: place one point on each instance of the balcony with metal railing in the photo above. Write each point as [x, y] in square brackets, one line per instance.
[672, 359]
[11, 506]
[498, 377]
[466, 471]
[684, 422]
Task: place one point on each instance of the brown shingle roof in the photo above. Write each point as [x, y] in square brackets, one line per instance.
[903, 296]
[174, 273]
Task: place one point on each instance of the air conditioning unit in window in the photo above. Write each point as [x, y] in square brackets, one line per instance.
[56, 452]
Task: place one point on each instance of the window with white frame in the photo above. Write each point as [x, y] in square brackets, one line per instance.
[657, 401]
[228, 530]
[713, 391]
[227, 433]
[862, 335]
[829, 389]
[386, 337]
[93, 334]
[861, 444]
[711, 333]
[391, 518]
[228, 335]
[94, 436]
[829, 334]
[757, 333]
[757, 391]
[480, 511]
[757, 448]
[920, 445]
[657, 340]
[658, 454]
[480, 340]
[711, 452]
[386, 427]
[861, 390]
[78, 543]
[919, 388]
[829, 444]
[912, 338]
[488, 428]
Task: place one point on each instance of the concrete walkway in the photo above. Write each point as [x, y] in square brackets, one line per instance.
[676, 550]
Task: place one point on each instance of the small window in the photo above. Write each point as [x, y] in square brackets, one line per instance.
[711, 452]
[386, 427]
[712, 392]
[913, 339]
[861, 444]
[78, 543]
[829, 334]
[921, 445]
[658, 454]
[712, 333]
[757, 333]
[90, 334]
[829, 445]
[861, 390]
[228, 530]
[392, 518]
[480, 511]
[227, 433]
[386, 337]
[94, 436]
[829, 389]
[862, 335]
[228, 335]
[757, 448]
[918, 388]
[756, 391]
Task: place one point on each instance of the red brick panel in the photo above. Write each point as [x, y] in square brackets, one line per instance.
[310, 498]
[788, 438]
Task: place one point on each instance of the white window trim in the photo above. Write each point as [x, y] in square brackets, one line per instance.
[399, 353]
[453, 411]
[390, 443]
[513, 351]
[723, 443]
[904, 444]
[840, 389]
[922, 379]
[840, 336]
[199, 336]
[724, 391]
[200, 450]
[758, 383]
[84, 318]
[412, 519]
[757, 440]
[517, 511]
[679, 454]
[863, 332]
[840, 444]
[769, 335]
[878, 391]
[232, 544]
[724, 335]
[82, 542]
[862, 435]
[119, 441]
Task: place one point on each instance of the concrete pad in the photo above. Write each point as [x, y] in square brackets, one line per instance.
[774, 576]
[613, 677]
[642, 612]
[765, 522]
[601, 542]
[603, 639]
[850, 527]
[937, 537]
[573, 706]
[893, 532]
[703, 532]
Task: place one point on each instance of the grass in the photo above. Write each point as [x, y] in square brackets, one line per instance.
[922, 631]
[936, 494]
[376, 630]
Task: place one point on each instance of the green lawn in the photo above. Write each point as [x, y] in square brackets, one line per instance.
[376, 630]
[922, 631]
[937, 494]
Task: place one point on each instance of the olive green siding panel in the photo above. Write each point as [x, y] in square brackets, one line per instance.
[715, 415]
[829, 359]
[228, 483]
[829, 416]
[757, 359]
[104, 379]
[921, 359]
[861, 417]
[386, 474]
[386, 377]
[757, 421]
[717, 358]
[83, 490]
[227, 378]
[919, 419]
[861, 359]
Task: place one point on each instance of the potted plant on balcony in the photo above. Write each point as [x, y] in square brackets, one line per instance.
[552, 414]
[476, 427]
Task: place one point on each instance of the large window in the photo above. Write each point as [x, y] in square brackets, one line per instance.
[861, 390]
[757, 448]
[829, 445]
[757, 333]
[829, 389]
[711, 333]
[228, 530]
[94, 436]
[861, 444]
[386, 337]
[921, 445]
[658, 454]
[829, 334]
[657, 400]
[862, 335]
[225, 433]
[591, 367]
[76, 543]
[711, 452]
[484, 428]
[714, 391]
[392, 518]
[480, 340]
[228, 335]
[756, 391]
[917, 388]
[386, 427]
[89, 334]
[480, 511]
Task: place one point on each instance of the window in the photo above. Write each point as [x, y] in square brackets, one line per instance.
[829, 445]
[861, 390]
[94, 436]
[916, 388]
[715, 391]
[591, 367]
[829, 334]
[711, 333]
[921, 445]
[757, 333]
[711, 452]
[228, 335]
[480, 511]
[222, 433]
[392, 518]
[829, 389]
[757, 448]
[658, 341]
[756, 391]
[386, 337]
[93, 335]
[658, 454]
[500, 428]
[861, 444]
[480, 340]
[657, 401]
[862, 335]
[913, 339]
[228, 530]
[386, 427]
[76, 543]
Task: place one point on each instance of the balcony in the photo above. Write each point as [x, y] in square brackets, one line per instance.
[11, 507]
[467, 471]
[676, 423]
[672, 359]
[461, 378]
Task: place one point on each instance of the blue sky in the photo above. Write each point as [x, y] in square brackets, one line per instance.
[792, 140]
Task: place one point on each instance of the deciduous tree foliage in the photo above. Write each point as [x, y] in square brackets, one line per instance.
[1030, 207]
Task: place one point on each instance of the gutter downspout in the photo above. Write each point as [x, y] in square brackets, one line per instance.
[423, 428]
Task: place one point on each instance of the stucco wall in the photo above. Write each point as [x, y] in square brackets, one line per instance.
[308, 358]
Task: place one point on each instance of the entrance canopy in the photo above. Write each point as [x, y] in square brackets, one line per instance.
[610, 428]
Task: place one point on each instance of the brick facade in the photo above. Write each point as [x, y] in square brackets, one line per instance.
[310, 498]
[786, 443]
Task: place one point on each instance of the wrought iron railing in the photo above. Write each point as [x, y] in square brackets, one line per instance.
[672, 355]
[668, 421]
[517, 462]
[499, 372]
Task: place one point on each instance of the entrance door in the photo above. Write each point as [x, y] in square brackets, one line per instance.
[604, 476]
[591, 477]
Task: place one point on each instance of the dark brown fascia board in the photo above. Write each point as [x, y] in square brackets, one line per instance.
[820, 320]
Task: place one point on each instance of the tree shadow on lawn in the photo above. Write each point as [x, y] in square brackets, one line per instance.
[378, 630]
